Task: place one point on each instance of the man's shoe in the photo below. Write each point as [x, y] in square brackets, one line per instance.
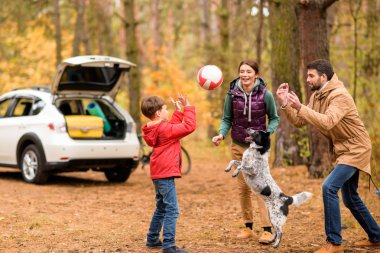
[266, 238]
[367, 243]
[245, 233]
[331, 248]
[174, 249]
[156, 244]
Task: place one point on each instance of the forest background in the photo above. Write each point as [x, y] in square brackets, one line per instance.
[171, 40]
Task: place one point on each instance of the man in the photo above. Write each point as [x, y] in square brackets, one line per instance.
[333, 112]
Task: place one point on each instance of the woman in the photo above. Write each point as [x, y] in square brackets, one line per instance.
[247, 105]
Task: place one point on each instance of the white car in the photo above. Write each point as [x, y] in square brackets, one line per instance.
[35, 123]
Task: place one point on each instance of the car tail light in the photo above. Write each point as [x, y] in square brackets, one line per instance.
[59, 128]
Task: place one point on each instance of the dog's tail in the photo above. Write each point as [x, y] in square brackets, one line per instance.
[300, 198]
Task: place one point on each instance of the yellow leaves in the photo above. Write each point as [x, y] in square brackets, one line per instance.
[157, 76]
[33, 62]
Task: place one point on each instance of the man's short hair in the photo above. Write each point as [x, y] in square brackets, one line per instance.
[322, 67]
[150, 105]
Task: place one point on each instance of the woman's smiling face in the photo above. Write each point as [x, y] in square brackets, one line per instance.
[247, 75]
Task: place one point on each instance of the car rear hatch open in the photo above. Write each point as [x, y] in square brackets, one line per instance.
[90, 75]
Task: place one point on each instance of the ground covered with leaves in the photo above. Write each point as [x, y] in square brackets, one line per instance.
[82, 212]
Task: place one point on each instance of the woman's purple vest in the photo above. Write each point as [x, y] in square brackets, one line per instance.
[241, 118]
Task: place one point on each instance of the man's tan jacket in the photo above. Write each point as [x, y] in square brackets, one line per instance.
[333, 112]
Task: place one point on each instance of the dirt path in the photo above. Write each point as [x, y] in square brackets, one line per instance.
[82, 212]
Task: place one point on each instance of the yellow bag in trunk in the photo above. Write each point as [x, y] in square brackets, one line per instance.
[84, 126]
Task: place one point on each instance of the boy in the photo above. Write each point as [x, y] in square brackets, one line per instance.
[165, 164]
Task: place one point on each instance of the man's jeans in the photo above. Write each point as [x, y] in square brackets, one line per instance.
[166, 213]
[347, 178]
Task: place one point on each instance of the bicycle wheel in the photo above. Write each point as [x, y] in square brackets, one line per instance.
[186, 162]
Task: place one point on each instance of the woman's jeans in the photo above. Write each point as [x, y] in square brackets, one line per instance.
[166, 213]
[347, 178]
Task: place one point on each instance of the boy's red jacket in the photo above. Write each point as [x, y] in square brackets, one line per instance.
[166, 159]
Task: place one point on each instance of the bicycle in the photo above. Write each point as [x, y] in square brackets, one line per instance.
[145, 158]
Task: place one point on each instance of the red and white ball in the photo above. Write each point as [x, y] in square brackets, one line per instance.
[210, 77]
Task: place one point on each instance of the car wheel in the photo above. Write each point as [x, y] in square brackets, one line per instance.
[118, 174]
[32, 165]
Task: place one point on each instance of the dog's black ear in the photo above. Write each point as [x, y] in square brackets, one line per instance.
[265, 141]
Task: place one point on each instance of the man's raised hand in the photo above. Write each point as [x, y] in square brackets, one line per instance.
[282, 93]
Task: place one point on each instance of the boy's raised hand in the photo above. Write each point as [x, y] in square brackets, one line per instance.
[183, 99]
[176, 104]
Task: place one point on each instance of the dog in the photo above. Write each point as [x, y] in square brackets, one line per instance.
[255, 167]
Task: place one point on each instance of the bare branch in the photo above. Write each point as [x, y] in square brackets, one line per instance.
[120, 17]
[327, 3]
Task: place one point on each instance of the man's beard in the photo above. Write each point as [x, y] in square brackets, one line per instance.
[317, 85]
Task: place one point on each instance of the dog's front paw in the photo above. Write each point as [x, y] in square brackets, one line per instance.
[227, 169]
[235, 173]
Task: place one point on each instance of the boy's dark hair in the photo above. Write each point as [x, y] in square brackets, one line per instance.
[250, 63]
[322, 67]
[150, 105]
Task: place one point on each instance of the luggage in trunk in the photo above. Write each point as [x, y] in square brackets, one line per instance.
[84, 126]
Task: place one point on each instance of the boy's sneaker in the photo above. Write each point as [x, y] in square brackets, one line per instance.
[156, 244]
[174, 250]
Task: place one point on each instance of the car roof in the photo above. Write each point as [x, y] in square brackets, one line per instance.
[38, 93]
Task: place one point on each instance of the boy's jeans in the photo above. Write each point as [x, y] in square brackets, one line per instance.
[347, 178]
[166, 213]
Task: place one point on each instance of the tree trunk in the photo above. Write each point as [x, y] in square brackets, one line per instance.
[206, 46]
[155, 23]
[86, 38]
[218, 95]
[103, 20]
[79, 27]
[259, 32]
[58, 38]
[205, 22]
[132, 53]
[314, 45]
[285, 55]
[371, 65]
[354, 11]
[140, 43]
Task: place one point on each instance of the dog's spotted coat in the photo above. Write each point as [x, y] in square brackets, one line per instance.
[255, 167]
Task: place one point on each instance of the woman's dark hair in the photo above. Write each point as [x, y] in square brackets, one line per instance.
[322, 67]
[150, 105]
[250, 63]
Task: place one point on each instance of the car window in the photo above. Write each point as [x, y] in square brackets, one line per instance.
[23, 107]
[96, 75]
[4, 105]
[37, 107]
